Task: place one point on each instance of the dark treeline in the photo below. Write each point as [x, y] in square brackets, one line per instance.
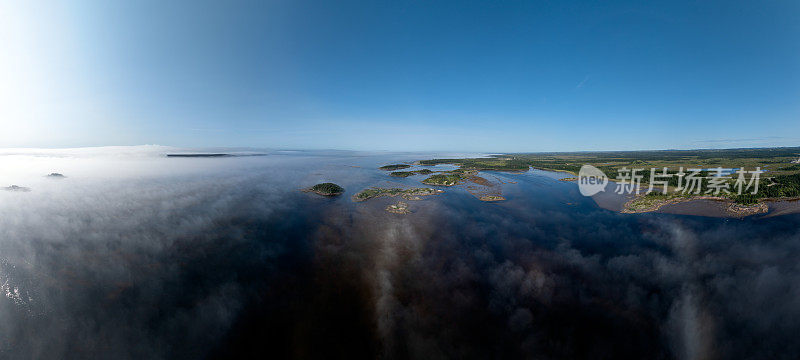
[657, 155]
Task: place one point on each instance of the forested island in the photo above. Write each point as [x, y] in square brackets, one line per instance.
[326, 189]
[449, 179]
[411, 173]
[394, 167]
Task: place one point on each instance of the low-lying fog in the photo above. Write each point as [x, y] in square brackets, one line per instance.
[135, 255]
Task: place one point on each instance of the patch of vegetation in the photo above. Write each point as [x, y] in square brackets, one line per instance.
[490, 198]
[443, 179]
[399, 208]
[411, 173]
[327, 189]
[652, 201]
[781, 186]
[745, 199]
[795, 167]
[374, 192]
[394, 167]
[402, 173]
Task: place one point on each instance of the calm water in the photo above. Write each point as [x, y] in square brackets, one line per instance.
[134, 255]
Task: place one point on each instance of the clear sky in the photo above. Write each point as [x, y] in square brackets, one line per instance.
[497, 76]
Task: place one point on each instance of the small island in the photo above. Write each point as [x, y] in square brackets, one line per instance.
[399, 208]
[410, 173]
[490, 198]
[449, 179]
[56, 175]
[408, 194]
[326, 189]
[394, 167]
[16, 188]
[402, 173]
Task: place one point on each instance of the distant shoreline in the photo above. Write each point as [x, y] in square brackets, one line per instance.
[198, 155]
[570, 163]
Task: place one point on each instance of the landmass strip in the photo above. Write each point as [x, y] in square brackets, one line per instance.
[782, 180]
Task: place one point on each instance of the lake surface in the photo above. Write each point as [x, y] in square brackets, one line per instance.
[134, 255]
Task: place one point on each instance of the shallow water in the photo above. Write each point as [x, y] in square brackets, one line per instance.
[701, 207]
[134, 255]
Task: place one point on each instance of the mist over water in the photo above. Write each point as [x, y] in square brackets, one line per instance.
[133, 255]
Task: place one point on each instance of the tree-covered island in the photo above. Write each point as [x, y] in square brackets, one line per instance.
[326, 189]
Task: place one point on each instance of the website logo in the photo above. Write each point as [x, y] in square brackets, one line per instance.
[591, 180]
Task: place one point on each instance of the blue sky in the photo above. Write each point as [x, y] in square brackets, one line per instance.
[499, 76]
